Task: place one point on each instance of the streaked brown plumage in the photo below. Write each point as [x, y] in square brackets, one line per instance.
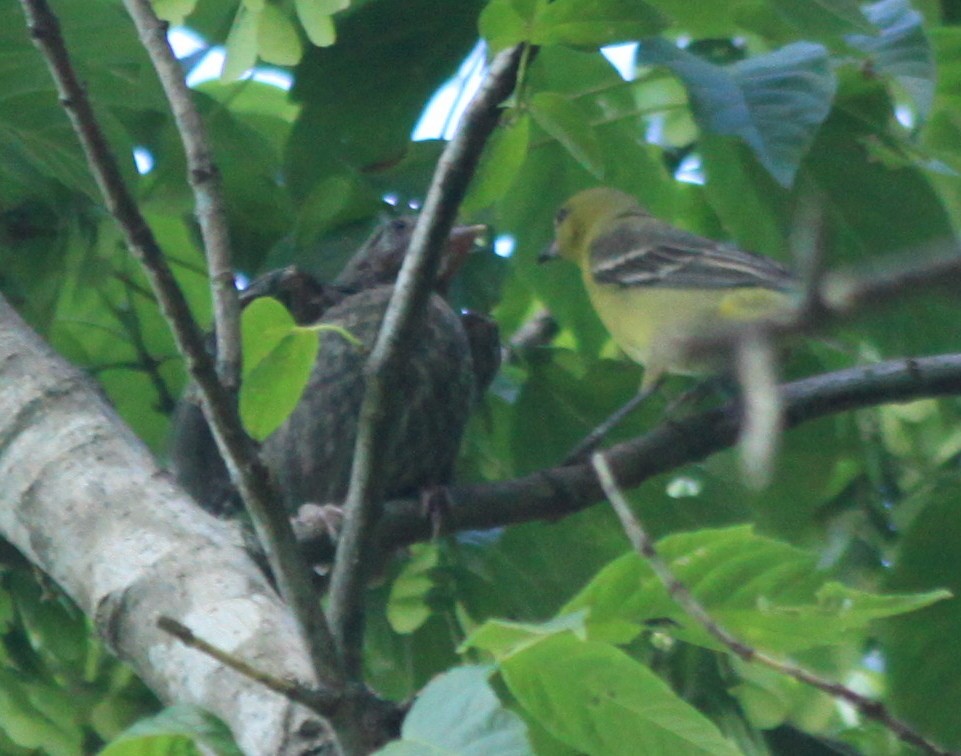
[310, 454]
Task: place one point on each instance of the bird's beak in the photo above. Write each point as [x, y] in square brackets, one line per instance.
[551, 253]
[462, 238]
[460, 243]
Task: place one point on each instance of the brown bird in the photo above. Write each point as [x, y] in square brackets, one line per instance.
[450, 364]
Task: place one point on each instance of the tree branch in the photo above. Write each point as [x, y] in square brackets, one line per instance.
[83, 499]
[205, 181]
[296, 692]
[560, 491]
[272, 525]
[403, 316]
[644, 545]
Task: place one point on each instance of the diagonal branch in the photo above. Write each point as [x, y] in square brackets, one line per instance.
[404, 314]
[644, 545]
[205, 181]
[273, 527]
[318, 701]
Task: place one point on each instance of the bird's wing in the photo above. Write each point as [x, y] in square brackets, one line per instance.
[642, 251]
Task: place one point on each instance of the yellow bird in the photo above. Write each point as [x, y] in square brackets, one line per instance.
[654, 285]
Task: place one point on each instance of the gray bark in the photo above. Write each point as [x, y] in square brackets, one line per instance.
[83, 499]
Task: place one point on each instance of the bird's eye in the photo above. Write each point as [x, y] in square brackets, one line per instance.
[561, 215]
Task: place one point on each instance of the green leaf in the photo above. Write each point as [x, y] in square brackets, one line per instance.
[600, 701]
[701, 20]
[768, 594]
[361, 94]
[278, 358]
[171, 730]
[501, 638]
[332, 6]
[922, 650]
[568, 123]
[775, 102]
[595, 23]
[53, 625]
[277, 39]
[458, 713]
[855, 608]
[502, 159]
[765, 695]
[751, 206]
[407, 607]
[820, 18]
[504, 23]
[174, 11]
[27, 723]
[263, 324]
[242, 43]
[901, 50]
[317, 22]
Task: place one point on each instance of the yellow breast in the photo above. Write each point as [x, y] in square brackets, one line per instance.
[649, 323]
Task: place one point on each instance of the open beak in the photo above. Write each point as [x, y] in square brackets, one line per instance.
[460, 243]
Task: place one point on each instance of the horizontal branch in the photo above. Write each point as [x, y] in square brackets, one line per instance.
[564, 490]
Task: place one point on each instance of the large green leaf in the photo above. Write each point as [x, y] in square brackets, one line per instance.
[502, 159]
[568, 123]
[362, 97]
[774, 102]
[600, 701]
[766, 593]
[34, 131]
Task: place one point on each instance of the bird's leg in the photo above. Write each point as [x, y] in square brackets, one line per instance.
[712, 385]
[581, 452]
[312, 519]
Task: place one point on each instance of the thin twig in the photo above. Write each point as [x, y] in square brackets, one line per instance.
[362, 507]
[644, 545]
[205, 181]
[808, 247]
[590, 442]
[316, 700]
[272, 525]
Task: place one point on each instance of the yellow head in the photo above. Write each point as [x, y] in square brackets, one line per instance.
[576, 223]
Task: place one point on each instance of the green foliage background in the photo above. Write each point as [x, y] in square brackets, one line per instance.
[771, 100]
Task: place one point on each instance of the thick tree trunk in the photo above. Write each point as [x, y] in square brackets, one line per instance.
[83, 499]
